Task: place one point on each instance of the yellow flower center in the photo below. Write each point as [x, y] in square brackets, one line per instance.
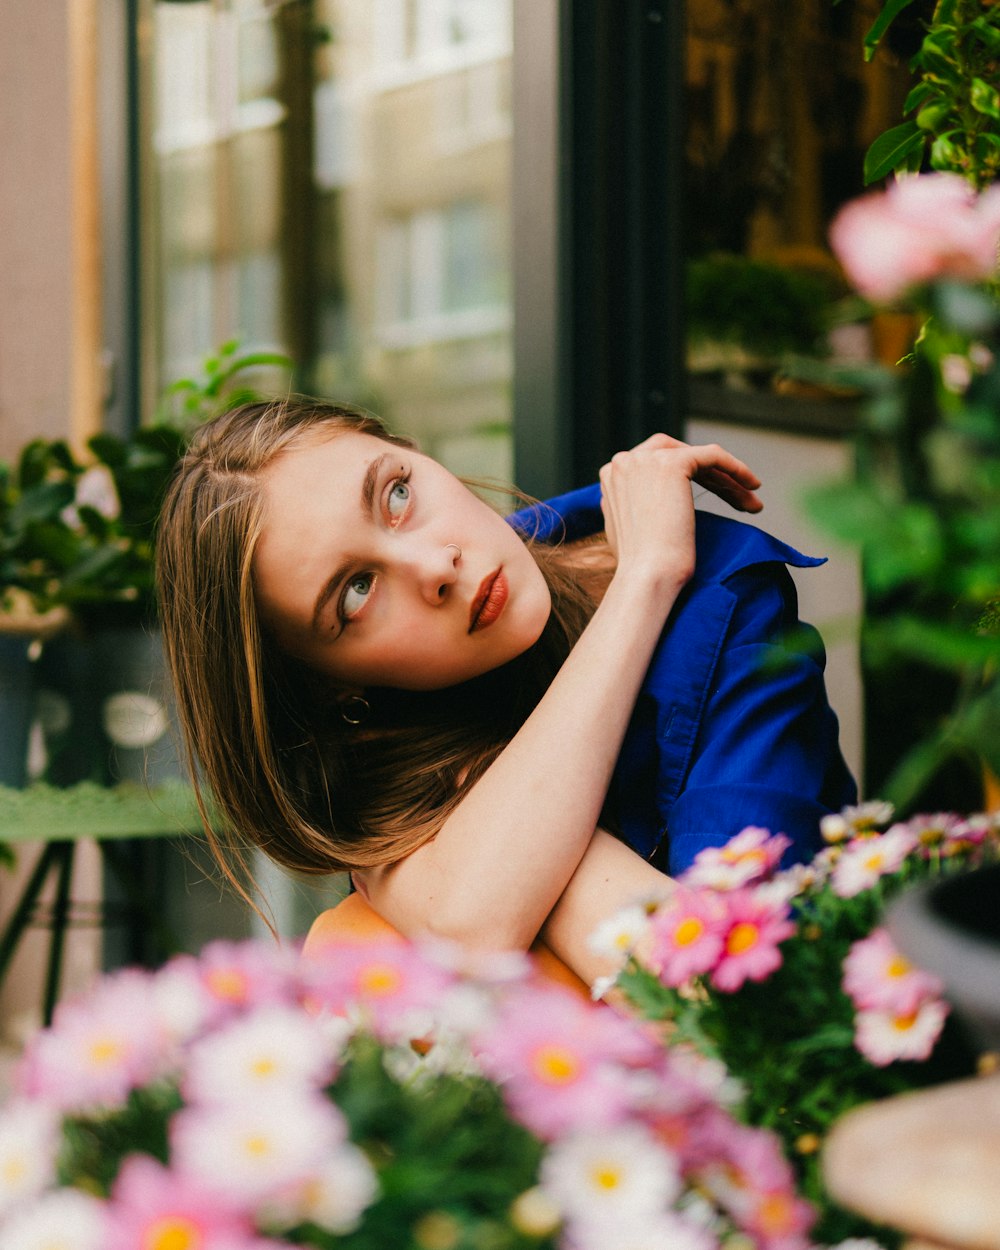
[774, 1214]
[379, 980]
[173, 1232]
[263, 1067]
[606, 1176]
[897, 967]
[13, 1170]
[556, 1065]
[257, 1146]
[874, 862]
[904, 1023]
[689, 930]
[742, 937]
[227, 983]
[104, 1051]
[756, 856]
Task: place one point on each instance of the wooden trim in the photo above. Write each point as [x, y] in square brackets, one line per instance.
[86, 380]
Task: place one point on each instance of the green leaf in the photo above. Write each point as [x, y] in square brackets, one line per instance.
[987, 31]
[919, 95]
[985, 99]
[890, 11]
[945, 155]
[892, 149]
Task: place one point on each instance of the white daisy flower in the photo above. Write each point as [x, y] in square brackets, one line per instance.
[63, 1219]
[617, 1174]
[883, 1037]
[29, 1142]
[271, 1049]
[660, 1232]
[616, 937]
[254, 1149]
[339, 1194]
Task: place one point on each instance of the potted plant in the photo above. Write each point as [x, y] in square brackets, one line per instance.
[33, 528]
[106, 707]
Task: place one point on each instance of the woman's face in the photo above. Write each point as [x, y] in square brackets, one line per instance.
[377, 567]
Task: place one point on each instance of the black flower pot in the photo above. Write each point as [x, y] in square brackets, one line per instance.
[952, 929]
[17, 696]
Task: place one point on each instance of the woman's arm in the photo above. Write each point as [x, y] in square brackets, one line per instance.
[503, 858]
[610, 877]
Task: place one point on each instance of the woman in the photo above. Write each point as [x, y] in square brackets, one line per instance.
[375, 672]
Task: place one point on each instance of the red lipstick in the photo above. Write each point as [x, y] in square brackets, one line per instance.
[490, 600]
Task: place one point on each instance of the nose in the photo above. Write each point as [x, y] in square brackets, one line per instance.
[436, 571]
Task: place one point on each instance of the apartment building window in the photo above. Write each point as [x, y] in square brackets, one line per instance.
[434, 33]
[444, 274]
[214, 265]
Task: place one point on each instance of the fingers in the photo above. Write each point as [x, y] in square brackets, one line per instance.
[717, 470]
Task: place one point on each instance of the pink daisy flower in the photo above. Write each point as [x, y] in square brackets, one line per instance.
[563, 1063]
[98, 1049]
[154, 1208]
[754, 927]
[390, 985]
[237, 975]
[865, 861]
[884, 1036]
[686, 935]
[752, 855]
[877, 976]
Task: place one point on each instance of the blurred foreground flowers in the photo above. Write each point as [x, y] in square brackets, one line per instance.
[788, 981]
[246, 1100]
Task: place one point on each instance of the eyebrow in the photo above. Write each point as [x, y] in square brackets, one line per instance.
[368, 485]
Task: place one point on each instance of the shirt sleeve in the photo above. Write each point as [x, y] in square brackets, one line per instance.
[766, 751]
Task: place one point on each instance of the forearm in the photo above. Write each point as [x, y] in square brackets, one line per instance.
[609, 877]
[501, 861]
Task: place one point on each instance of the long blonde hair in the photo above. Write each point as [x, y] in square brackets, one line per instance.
[284, 770]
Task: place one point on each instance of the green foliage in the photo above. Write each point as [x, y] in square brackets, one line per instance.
[953, 109]
[442, 1143]
[924, 510]
[766, 309]
[79, 533]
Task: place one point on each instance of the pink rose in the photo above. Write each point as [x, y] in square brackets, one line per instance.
[922, 227]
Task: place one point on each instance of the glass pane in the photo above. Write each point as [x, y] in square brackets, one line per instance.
[781, 107]
[412, 160]
[332, 179]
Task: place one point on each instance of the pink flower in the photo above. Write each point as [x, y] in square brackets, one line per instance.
[921, 228]
[686, 935]
[390, 985]
[866, 860]
[755, 925]
[152, 1208]
[746, 1173]
[98, 1049]
[884, 1036]
[237, 975]
[752, 855]
[877, 976]
[563, 1063]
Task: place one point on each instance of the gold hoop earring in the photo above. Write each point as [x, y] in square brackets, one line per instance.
[354, 710]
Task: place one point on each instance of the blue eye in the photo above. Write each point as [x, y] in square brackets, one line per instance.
[356, 594]
[399, 499]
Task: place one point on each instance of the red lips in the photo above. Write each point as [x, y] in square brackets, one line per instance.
[491, 597]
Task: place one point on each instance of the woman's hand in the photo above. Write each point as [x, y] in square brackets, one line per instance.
[649, 510]
[736, 484]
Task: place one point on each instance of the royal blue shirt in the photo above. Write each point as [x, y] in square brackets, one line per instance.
[732, 726]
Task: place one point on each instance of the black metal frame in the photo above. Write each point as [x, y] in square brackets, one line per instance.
[598, 338]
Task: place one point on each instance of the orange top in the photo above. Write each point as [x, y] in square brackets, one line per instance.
[354, 920]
